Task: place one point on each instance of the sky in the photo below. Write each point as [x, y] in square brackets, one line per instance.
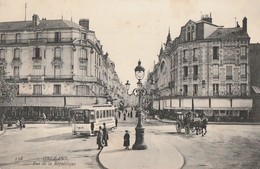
[130, 30]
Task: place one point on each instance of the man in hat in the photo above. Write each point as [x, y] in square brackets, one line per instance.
[127, 140]
[105, 134]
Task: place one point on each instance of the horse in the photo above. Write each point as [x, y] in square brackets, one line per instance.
[201, 126]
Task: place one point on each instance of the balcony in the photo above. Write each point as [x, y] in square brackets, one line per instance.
[229, 77]
[195, 59]
[37, 41]
[3, 61]
[243, 77]
[243, 57]
[36, 59]
[215, 76]
[83, 60]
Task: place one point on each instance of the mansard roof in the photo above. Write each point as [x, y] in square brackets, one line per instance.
[228, 34]
[43, 24]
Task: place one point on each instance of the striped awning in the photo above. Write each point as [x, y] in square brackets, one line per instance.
[256, 89]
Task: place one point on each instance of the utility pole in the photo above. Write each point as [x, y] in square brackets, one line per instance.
[25, 7]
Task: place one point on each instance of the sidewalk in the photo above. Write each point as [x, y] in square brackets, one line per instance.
[156, 156]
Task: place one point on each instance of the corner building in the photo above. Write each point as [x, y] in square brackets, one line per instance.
[205, 67]
[56, 64]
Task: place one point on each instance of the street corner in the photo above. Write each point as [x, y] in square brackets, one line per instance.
[2, 132]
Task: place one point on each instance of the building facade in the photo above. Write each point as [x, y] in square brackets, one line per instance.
[205, 68]
[56, 64]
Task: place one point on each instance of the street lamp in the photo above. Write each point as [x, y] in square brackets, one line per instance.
[139, 91]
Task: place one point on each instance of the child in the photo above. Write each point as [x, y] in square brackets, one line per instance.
[127, 140]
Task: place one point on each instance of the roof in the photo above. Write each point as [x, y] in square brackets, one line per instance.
[44, 24]
[256, 89]
[228, 34]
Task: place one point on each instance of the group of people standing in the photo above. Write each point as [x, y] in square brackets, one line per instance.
[102, 136]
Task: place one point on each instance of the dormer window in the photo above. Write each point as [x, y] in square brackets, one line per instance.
[190, 36]
[57, 36]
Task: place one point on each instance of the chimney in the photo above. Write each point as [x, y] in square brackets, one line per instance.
[245, 24]
[84, 23]
[35, 19]
[207, 18]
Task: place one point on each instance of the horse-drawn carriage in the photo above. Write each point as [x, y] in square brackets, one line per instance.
[191, 122]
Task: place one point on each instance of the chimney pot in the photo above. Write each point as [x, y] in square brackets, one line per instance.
[84, 23]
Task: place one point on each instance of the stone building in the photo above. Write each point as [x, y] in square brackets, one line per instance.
[56, 64]
[205, 68]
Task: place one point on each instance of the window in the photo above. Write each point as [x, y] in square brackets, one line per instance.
[195, 54]
[83, 70]
[192, 33]
[36, 53]
[57, 53]
[185, 72]
[104, 113]
[195, 90]
[229, 73]
[243, 70]
[195, 72]
[83, 36]
[2, 70]
[216, 53]
[228, 89]
[243, 89]
[97, 114]
[185, 56]
[82, 90]
[2, 54]
[37, 89]
[57, 37]
[215, 71]
[243, 53]
[185, 89]
[57, 89]
[16, 72]
[16, 54]
[37, 69]
[57, 71]
[3, 38]
[38, 35]
[215, 89]
[17, 38]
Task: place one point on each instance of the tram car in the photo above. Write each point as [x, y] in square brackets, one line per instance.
[85, 116]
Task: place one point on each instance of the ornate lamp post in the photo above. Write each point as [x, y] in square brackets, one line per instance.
[139, 91]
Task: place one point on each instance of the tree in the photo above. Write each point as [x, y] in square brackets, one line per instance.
[8, 91]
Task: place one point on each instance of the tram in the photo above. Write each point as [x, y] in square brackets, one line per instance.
[86, 115]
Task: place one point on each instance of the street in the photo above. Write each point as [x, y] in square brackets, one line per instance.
[54, 146]
[46, 146]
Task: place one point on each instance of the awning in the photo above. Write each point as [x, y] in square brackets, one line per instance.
[256, 89]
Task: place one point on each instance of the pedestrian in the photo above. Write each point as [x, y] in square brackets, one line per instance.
[22, 125]
[69, 119]
[124, 116]
[2, 122]
[44, 117]
[127, 140]
[100, 138]
[116, 121]
[105, 134]
[92, 127]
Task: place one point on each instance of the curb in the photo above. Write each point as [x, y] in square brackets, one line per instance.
[99, 162]
[3, 132]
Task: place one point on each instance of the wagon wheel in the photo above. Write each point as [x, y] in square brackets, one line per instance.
[187, 129]
[178, 126]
